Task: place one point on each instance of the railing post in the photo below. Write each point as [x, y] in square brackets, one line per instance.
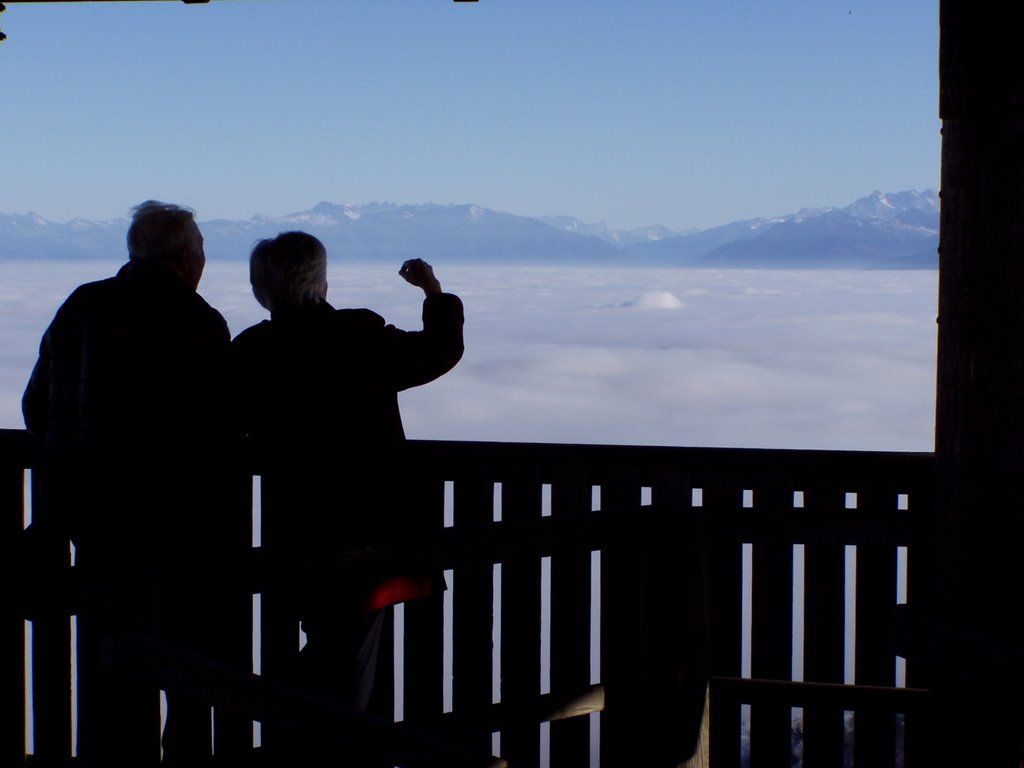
[654, 649]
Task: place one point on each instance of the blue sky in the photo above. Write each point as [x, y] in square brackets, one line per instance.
[680, 112]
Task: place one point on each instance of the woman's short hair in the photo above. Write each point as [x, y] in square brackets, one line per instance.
[160, 231]
[289, 270]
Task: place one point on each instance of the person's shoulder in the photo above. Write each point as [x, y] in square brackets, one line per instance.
[95, 288]
[192, 311]
[95, 293]
[211, 314]
[251, 345]
[252, 334]
[358, 318]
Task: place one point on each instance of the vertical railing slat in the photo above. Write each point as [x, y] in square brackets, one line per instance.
[423, 642]
[824, 582]
[12, 665]
[771, 625]
[51, 666]
[382, 702]
[472, 614]
[619, 744]
[570, 622]
[725, 615]
[919, 742]
[674, 636]
[520, 622]
[875, 732]
[279, 618]
[232, 734]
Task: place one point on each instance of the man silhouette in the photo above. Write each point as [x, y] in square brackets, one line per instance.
[318, 389]
[127, 397]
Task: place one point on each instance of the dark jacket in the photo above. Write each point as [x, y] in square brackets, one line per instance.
[318, 395]
[316, 372]
[128, 397]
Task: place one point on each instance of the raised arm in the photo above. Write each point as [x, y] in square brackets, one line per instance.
[422, 356]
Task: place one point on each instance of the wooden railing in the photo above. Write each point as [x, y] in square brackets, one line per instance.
[592, 588]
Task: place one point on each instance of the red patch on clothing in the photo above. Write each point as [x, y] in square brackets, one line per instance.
[398, 589]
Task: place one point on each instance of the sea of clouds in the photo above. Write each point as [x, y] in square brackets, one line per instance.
[744, 358]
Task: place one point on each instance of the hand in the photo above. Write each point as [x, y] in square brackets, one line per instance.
[419, 273]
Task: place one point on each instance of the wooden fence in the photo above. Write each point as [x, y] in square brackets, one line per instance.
[591, 591]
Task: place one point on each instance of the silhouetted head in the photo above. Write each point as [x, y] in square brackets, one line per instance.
[289, 270]
[168, 234]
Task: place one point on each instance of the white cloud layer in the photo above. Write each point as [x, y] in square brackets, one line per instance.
[743, 358]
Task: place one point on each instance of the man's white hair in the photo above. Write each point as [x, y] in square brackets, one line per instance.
[160, 231]
[289, 270]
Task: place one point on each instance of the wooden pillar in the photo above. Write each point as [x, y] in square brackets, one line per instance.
[980, 403]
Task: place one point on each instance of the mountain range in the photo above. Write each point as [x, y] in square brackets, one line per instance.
[879, 231]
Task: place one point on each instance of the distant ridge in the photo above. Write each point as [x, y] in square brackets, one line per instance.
[882, 231]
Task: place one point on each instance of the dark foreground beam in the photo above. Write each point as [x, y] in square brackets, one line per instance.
[11, 2]
[979, 446]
